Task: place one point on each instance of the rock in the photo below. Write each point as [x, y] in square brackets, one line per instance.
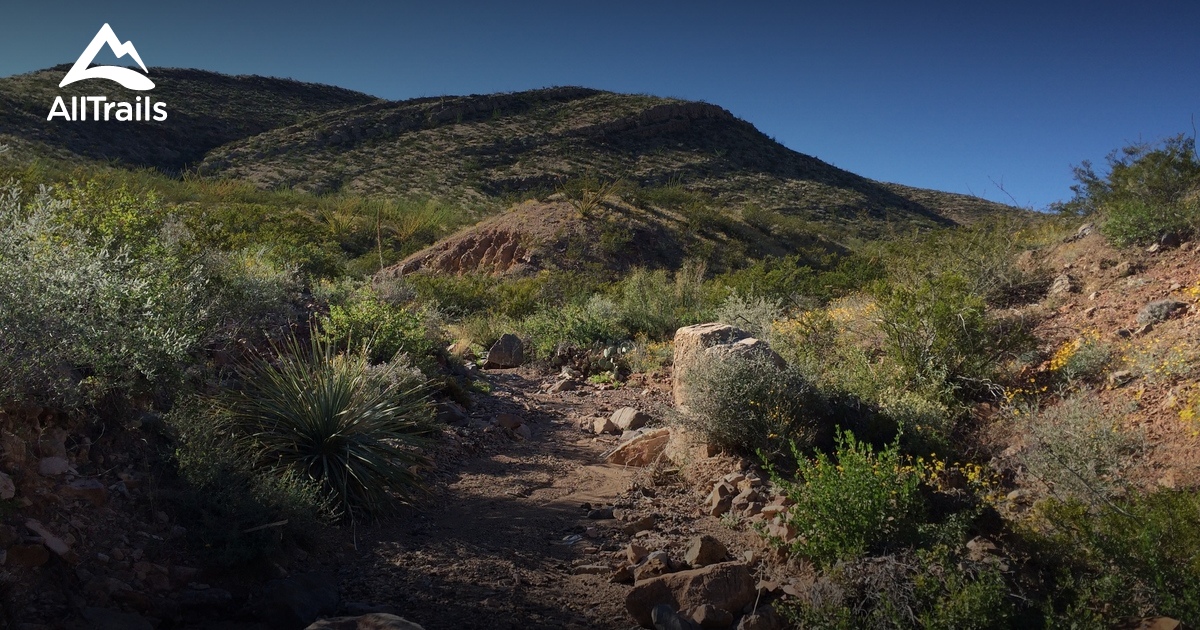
[601, 426]
[1061, 284]
[106, 619]
[1119, 378]
[710, 617]
[720, 500]
[643, 450]
[690, 344]
[371, 621]
[656, 564]
[8, 489]
[705, 550]
[27, 556]
[1019, 496]
[763, 618]
[90, 490]
[592, 569]
[623, 575]
[630, 419]
[53, 466]
[52, 542]
[749, 348]
[1124, 269]
[566, 385]
[665, 618]
[642, 524]
[524, 432]
[297, 601]
[636, 553]
[686, 446]
[452, 413]
[508, 421]
[14, 449]
[507, 352]
[1159, 311]
[727, 586]
[600, 514]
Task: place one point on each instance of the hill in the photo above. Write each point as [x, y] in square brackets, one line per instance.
[206, 110]
[485, 148]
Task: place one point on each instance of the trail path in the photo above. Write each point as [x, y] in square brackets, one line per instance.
[487, 549]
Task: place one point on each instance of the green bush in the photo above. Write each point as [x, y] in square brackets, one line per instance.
[1078, 448]
[749, 404]
[923, 589]
[385, 329]
[572, 326]
[753, 315]
[655, 303]
[234, 514]
[1134, 557]
[1139, 222]
[353, 428]
[858, 501]
[84, 317]
[940, 333]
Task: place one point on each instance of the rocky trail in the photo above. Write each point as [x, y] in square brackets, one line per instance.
[521, 532]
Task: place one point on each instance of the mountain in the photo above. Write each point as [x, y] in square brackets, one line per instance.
[476, 149]
[206, 110]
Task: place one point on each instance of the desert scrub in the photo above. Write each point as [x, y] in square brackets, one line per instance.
[1083, 359]
[749, 404]
[646, 356]
[351, 427]
[754, 315]
[1077, 448]
[1137, 556]
[934, 588]
[236, 515]
[855, 502]
[657, 303]
[84, 317]
[386, 329]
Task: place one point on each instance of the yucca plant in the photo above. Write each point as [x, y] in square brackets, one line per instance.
[354, 428]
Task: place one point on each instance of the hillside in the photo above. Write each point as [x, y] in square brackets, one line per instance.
[484, 148]
[206, 110]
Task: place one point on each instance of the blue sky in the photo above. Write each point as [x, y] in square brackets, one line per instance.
[958, 96]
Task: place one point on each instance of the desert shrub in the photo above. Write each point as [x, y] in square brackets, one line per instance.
[386, 329]
[646, 356]
[1149, 191]
[455, 295]
[924, 589]
[750, 404]
[754, 315]
[856, 502]
[939, 332]
[252, 292]
[655, 303]
[1134, 557]
[572, 326]
[234, 514]
[353, 428]
[83, 316]
[1078, 448]
[1083, 359]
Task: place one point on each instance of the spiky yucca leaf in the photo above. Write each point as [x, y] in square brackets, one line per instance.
[333, 417]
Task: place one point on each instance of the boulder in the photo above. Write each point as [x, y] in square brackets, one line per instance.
[372, 621]
[690, 344]
[507, 352]
[642, 450]
[8, 489]
[630, 419]
[298, 601]
[665, 618]
[508, 421]
[53, 466]
[90, 490]
[1159, 311]
[1063, 283]
[656, 564]
[705, 550]
[604, 425]
[749, 348]
[709, 617]
[726, 586]
[763, 618]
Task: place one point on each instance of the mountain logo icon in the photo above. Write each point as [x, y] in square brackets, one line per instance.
[127, 77]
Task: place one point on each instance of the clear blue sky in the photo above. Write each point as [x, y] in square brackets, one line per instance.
[948, 95]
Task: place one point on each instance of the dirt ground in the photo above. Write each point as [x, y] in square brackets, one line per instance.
[496, 543]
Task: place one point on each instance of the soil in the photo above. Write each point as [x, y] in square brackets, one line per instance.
[496, 543]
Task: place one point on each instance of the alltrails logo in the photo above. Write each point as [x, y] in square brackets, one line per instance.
[143, 108]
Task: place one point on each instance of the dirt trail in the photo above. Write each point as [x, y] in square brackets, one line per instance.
[492, 546]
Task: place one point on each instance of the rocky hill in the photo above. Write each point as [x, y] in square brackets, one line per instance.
[205, 110]
[487, 147]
